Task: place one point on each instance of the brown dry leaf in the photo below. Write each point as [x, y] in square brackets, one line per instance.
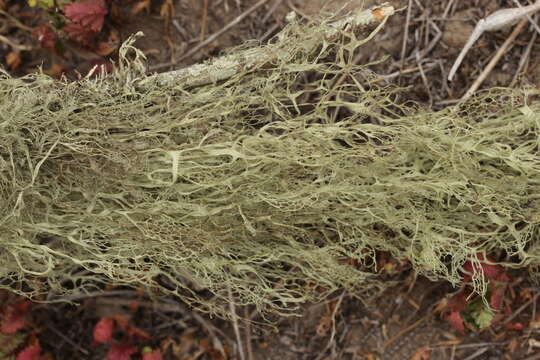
[181, 348]
[152, 52]
[534, 343]
[167, 9]
[104, 48]
[371, 357]
[512, 345]
[421, 354]
[140, 6]
[535, 324]
[13, 60]
[55, 71]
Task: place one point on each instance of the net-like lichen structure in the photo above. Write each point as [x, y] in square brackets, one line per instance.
[274, 185]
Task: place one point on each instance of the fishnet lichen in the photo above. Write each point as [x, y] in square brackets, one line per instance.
[264, 185]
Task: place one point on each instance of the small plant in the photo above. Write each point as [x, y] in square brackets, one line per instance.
[124, 349]
[14, 343]
[470, 310]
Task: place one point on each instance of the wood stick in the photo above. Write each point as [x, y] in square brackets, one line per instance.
[226, 66]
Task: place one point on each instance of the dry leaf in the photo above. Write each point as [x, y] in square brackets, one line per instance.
[140, 6]
[13, 60]
[55, 71]
[105, 48]
[167, 9]
[421, 354]
[534, 343]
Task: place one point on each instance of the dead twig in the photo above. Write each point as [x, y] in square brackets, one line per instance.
[235, 325]
[521, 308]
[224, 67]
[333, 333]
[249, 347]
[476, 354]
[494, 22]
[14, 45]
[405, 35]
[500, 52]
[272, 9]
[212, 37]
[68, 340]
[204, 20]
[528, 16]
[523, 61]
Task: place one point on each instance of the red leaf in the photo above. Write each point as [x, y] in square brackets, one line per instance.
[31, 352]
[136, 332]
[148, 354]
[90, 13]
[103, 331]
[458, 302]
[130, 329]
[79, 33]
[14, 317]
[121, 352]
[455, 319]
[497, 296]
[510, 326]
[488, 270]
[45, 35]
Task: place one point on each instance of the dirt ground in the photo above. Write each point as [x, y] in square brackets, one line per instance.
[405, 321]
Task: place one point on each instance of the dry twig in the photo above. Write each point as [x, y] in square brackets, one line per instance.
[494, 22]
[212, 37]
[500, 52]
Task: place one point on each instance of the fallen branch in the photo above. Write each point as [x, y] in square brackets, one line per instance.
[227, 66]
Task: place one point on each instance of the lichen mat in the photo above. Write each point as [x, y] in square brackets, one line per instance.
[272, 184]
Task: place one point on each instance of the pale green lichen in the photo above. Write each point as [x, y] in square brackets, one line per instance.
[267, 183]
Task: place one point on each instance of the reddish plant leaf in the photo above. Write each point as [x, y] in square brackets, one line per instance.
[148, 354]
[103, 331]
[455, 319]
[488, 270]
[13, 60]
[497, 297]
[89, 13]
[14, 317]
[136, 332]
[458, 302]
[31, 352]
[45, 35]
[131, 330]
[121, 352]
[105, 48]
[510, 326]
[79, 33]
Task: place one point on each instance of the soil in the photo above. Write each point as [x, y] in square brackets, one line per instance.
[405, 321]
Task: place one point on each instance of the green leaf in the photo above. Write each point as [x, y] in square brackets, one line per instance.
[483, 317]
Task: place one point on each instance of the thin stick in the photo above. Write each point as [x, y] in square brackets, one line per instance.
[531, 20]
[214, 36]
[227, 66]
[271, 11]
[204, 20]
[524, 59]
[476, 354]
[502, 50]
[405, 36]
[14, 44]
[249, 347]
[68, 340]
[235, 325]
[494, 22]
[521, 308]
